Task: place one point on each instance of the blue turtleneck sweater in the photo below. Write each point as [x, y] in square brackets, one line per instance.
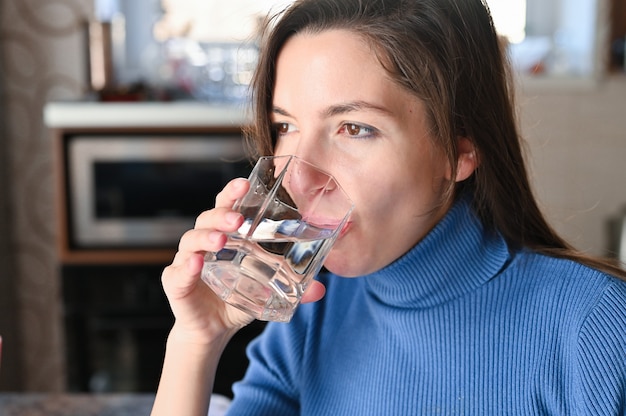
[461, 324]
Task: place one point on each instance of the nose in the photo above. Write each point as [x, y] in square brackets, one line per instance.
[306, 184]
[310, 189]
[308, 144]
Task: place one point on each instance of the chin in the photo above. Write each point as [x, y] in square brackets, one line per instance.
[341, 265]
[345, 259]
[351, 262]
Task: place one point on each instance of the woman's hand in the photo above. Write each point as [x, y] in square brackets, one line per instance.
[204, 323]
[201, 316]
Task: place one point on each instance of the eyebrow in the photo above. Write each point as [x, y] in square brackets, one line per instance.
[353, 106]
[339, 109]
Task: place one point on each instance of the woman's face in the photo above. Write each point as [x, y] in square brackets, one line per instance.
[336, 107]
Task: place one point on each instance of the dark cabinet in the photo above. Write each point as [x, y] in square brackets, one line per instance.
[117, 320]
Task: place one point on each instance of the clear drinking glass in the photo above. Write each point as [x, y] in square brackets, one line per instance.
[293, 213]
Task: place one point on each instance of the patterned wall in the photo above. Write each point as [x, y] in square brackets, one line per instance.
[42, 56]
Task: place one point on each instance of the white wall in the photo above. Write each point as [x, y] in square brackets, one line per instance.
[577, 143]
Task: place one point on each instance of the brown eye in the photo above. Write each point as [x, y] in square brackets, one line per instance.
[353, 129]
[358, 131]
[282, 128]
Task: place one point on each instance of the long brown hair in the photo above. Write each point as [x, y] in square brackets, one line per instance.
[446, 53]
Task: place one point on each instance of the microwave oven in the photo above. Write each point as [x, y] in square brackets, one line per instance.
[145, 191]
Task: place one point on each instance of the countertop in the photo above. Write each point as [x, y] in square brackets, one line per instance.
[72, 114]
[41, 404]
[74, 404]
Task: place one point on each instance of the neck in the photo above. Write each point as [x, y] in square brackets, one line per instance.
[455, 257]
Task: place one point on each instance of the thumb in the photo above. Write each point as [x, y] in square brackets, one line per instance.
[314, 292]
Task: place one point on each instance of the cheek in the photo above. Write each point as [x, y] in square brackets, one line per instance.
[374, 189]
[369, 193]
[385, 222]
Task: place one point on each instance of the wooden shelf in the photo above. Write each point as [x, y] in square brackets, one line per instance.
[116, 256]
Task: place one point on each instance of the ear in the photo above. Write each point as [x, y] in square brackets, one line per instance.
[467, 160]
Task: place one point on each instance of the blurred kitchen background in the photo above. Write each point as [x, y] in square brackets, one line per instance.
[79, 69]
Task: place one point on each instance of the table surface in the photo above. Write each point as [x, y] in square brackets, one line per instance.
[40, 404]
[73, 404]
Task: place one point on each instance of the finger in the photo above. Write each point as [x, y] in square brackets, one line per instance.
[201, 240]
[314, 292]
[194, 264]
[179, 280]
[220, 219]
[233, 190]
[208, 232]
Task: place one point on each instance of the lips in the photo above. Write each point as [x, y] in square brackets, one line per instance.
[328, 224]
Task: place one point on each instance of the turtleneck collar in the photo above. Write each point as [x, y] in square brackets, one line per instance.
[454, 258]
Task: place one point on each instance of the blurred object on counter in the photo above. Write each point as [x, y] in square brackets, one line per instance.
[101, 74]
[616, 227]
[214, 72]
[134, 58]
[141, 92]
[100, 34]
[618, 53]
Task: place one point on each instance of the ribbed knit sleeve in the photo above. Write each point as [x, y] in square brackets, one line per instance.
[602, 355]
[271, 387]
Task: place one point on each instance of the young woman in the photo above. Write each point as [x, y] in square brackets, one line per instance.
[449, 293]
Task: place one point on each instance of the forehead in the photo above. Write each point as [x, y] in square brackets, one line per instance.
[332, 63]
[333, 47]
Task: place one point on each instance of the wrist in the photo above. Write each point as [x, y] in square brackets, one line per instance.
[203, 342]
